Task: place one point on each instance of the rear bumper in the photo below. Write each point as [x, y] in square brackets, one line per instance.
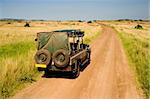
[40, 65]
[53, 68]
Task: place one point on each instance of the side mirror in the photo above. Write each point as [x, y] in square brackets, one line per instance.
[36, 39]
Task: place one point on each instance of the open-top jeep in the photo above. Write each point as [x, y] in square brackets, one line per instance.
[62, 50]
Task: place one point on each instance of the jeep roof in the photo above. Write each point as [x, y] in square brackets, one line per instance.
[72, 32]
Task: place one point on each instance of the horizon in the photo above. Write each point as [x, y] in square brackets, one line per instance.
[75, 9]
[74, 20]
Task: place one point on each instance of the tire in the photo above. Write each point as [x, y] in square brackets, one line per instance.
[43, 56]
[89, 55]
[76, 72]
[61, 58]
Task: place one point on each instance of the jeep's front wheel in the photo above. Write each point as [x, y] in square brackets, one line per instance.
[76, 71]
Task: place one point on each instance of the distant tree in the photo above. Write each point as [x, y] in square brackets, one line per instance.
[94, 20]
[89, 21]
[138, 27]
[140, 20]
[80, 21]
[119, 20]
[27, 24]
[9, 23]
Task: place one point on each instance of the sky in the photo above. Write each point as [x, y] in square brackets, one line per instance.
[75, 9]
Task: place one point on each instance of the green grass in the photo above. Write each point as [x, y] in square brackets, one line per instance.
[11, 50]
[16, 67]
[138, 54]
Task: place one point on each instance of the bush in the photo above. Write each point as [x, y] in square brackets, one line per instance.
[27, 24]
[138, 27]
[80, 21]
[140, 20]
[94, 20]
[9, 23]
[89, 21]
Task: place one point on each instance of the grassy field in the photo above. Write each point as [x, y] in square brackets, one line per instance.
[17, 49]
[136, 44]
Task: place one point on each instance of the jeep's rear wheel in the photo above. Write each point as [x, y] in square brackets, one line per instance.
[43, 56]
[61, 58]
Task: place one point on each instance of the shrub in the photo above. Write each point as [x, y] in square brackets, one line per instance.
[140, 20]
[9, 23]
[27, 24]
[80, 21]
[138, 27]
[89, 21]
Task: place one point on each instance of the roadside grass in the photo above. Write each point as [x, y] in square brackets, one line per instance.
[9, 50]
[89, 39]
[90, 35]
[17, 50]
[16, 67]
[138, 54]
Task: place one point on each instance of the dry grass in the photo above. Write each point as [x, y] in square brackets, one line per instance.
[129, 27]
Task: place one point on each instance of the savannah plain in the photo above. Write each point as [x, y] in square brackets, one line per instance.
[119, 67]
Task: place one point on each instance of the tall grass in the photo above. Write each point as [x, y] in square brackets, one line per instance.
[16, 67]
[89, 39]
[9, 50]
[91, 34]
[138, 54]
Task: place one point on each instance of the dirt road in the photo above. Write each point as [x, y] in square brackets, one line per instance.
[107, 77]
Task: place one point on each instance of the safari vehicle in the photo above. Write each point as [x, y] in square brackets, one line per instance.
[62, 50]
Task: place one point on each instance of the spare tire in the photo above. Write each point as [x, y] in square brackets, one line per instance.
[61, 58]
[43, 56]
